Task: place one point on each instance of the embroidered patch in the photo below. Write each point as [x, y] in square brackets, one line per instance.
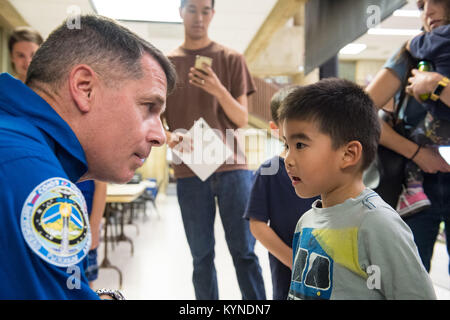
[55, 223]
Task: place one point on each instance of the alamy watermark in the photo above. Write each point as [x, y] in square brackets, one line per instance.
[74, 280]
[73, 17]
[209, 146]
[374, 18]
[374, 280]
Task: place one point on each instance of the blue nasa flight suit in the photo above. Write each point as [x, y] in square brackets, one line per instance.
[43, 220]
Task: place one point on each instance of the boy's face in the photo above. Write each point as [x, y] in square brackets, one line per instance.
[311, 162]
[197, 15]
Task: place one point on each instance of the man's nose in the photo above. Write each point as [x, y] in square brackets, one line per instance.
[199, 17]
[156, 134]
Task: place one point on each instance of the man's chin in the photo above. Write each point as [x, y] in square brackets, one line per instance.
[125, 179]
[121, 178]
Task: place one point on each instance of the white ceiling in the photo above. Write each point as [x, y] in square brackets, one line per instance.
[381, 47]
[234, 25]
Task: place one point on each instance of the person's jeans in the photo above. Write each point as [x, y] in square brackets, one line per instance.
[198, 210]
[425, 224]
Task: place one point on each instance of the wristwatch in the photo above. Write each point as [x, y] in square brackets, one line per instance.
[441, 85]
[115, 294]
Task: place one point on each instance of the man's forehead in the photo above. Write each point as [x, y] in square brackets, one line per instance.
[153, 73]
[203, 4]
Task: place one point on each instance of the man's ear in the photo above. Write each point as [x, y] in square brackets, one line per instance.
[82, 82]
[352, 154]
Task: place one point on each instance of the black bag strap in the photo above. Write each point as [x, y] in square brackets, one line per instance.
[400, 107]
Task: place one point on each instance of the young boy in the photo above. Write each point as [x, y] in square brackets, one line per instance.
[351, 244]
[273, 200]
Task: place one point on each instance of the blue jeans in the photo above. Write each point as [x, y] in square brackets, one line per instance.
[198, 210]
[425, 224]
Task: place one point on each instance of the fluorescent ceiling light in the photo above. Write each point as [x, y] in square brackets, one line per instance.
[393, 32]
[407, 13]
[139, 10]
[353, 48]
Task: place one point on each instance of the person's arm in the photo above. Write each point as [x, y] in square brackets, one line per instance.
[426, 82]
[98, 207]
[235, 109]
[271, 241]
[383, 87]
[428, 159]
[381, 90]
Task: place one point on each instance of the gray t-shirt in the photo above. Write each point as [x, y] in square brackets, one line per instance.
[359, 249]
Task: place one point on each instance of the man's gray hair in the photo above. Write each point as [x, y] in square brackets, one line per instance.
[111, 50]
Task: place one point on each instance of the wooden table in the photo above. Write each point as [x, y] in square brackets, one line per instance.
[123, 194]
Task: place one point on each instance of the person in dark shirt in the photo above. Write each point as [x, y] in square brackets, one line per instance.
[274, 209]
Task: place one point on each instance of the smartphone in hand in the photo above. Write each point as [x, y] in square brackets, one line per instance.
[199, 60]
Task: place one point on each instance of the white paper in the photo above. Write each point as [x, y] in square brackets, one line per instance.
[209, 152]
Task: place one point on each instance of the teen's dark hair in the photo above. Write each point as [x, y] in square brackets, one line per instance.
[183, 3]
[341, 109]
[277, 99]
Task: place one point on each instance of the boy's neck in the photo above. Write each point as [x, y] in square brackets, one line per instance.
[341, 193]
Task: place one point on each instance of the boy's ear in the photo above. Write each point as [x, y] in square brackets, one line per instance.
[272, 125]
[352, 154]
[275, 130]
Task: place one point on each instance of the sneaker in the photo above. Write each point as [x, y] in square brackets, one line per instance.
[412, 200]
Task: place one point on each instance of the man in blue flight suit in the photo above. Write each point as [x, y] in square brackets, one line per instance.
[91, 110]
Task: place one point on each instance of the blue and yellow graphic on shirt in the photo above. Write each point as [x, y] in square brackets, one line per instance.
[312, 277]
[316, 252]
[55, 224]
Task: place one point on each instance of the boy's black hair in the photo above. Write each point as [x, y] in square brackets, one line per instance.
[277, 99]
[183, 3]
[341, 109]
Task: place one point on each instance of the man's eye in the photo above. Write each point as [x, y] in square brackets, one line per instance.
[286, 147]
[149, 107]
[299, 145]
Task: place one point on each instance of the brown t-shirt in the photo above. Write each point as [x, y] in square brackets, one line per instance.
[188, 103]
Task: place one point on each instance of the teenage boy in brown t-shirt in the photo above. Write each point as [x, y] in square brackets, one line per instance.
[219, 95]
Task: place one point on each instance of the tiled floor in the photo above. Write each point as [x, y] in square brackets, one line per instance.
[161, 266]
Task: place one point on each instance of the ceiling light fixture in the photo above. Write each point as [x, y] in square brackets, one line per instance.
[393, 32]
[139, 10]
[353, 48]
[407, 13]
